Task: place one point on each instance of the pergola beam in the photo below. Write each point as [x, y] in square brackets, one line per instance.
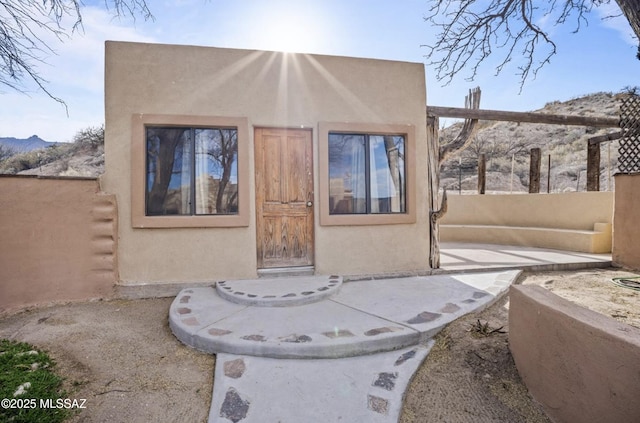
[528, 117]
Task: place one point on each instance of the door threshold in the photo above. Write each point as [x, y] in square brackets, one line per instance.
[278, 272]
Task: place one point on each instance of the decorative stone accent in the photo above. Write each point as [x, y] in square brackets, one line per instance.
[424, 317]
[404, 357]
[185, 299]
[234, 407]
[191, 321]
[218, 332]
[469, 301]
[234, 368]
[258, 338]
[184, 310]
[449, 308]
[339, 333]
[378, 331]
[386, 380]
[377, 404]
[479, 294]
[296, 339]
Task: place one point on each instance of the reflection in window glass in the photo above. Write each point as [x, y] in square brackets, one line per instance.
[366, 174]
[191, 171]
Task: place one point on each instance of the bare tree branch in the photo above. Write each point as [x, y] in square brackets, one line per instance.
[25, 25]
[506, 30]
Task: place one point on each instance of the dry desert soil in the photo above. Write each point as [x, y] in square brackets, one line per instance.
[122, 358]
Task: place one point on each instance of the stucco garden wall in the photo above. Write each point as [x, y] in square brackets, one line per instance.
[626, 222]
[58, 241]
[576, 221]
[269, 89]
[580, 365]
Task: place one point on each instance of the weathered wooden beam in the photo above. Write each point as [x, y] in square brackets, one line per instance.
[528, 117]
[606, 137]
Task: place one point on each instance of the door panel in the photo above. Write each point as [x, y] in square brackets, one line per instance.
[284, 185]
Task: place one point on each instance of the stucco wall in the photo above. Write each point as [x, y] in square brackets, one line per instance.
[580, 365]
[58, 241]
[626, 222]
[573, 210]
[270, 90]
[578, 221]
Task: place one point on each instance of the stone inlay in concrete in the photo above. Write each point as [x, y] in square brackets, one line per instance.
[234, 407]
[218, 332]
[377, 404]
[234, 368]
[296, 338]
[385, 329]
[404, 357]
[424, 317]
[279, 292]
[340, 333]
[386, 380]
[449, 308]
[258, 338]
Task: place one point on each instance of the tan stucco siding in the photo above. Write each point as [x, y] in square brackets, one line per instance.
[269, 90]
[626, 230]
[58, 241]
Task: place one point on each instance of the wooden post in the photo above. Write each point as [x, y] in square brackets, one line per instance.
[482, 173]
[433, 164]
[593, 167]
[534, 171]
[549, 175]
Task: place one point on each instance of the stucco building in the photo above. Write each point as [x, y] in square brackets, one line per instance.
[226, 163]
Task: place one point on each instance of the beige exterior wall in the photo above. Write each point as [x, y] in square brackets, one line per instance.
[580, 365]
[58, 241]
[268, 90]
[626, 222]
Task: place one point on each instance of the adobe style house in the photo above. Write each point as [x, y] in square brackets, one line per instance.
[225, 163]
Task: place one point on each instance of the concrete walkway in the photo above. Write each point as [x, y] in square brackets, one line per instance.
[312, 349]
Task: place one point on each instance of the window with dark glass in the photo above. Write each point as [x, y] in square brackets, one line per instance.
[191, 171]
[366, 174]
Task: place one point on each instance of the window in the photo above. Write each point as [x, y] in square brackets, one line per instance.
[191, 171]
[366, 174]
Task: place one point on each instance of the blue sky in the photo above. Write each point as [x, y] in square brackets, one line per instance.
[601, 57]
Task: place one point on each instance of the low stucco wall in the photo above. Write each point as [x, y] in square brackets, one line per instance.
[580, 365]
[626, 222]
[579, 221]
[58, 241]
[573, 210]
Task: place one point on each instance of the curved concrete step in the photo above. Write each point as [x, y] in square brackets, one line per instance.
[364, 317]
[279, 292]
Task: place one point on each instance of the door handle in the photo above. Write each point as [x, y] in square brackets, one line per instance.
[309, 203]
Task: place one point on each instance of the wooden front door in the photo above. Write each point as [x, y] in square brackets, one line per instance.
[284, 197]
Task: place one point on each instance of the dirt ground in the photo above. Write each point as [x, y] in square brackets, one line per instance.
[122, 358]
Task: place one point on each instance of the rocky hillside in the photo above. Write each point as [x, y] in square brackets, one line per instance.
[82, 157]
[508, 144]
